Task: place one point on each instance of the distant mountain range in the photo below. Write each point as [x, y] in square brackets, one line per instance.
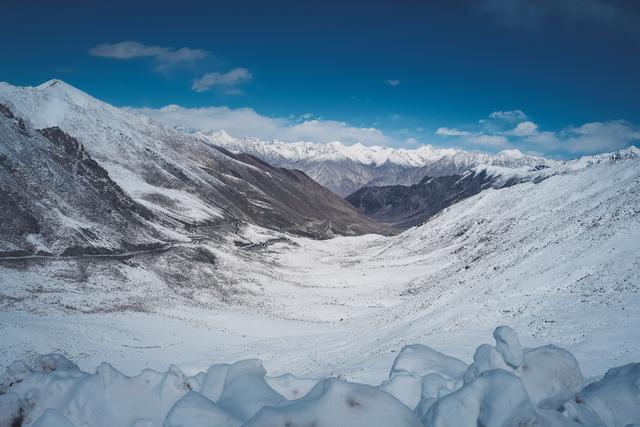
[345, 169]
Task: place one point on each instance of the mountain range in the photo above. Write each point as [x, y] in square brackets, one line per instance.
[344, 169]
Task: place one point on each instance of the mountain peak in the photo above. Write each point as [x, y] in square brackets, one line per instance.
[52, 83]
[61, 86]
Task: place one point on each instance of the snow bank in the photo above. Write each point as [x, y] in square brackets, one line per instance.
[505, 385]
[335, 403]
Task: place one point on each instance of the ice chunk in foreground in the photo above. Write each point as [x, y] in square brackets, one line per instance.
[496, 398]
[53, 418]
[213, 382]
[508, 345]
[422, 360]
[195, 410]
[290, 386]
[485, 358]
[543, 391]
[335, 403]
[551, 376]
[407, 388]
[246, 391]
[616, 397]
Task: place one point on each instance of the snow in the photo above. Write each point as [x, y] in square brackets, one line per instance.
[53, 418]
[616, 397]
[195, 410]
[246, 391]
[127, 145]
[557, 260]
[422, 360]
[336, 403]
[495, 398]
[508, 345]
[546, 389]
[366, 155]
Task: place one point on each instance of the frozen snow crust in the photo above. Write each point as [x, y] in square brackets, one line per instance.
[505, 385]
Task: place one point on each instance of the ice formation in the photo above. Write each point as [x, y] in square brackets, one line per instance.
[505, 385]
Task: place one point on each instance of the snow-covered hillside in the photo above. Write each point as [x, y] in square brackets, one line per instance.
[403, 206]
[181, 180]
[344, 169]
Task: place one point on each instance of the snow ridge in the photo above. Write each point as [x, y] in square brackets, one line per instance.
[346, 168]
[359, 153]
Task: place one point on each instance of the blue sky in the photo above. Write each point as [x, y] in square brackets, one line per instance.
[558, 77]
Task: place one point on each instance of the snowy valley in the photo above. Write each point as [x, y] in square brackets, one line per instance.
[220, 289]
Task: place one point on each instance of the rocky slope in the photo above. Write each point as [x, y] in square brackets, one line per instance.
[404, 206]
[55, 198]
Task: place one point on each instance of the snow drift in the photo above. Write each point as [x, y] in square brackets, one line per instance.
[505, 385]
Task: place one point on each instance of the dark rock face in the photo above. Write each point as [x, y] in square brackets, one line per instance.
[403, 206]
[297, 204]
[81, 162]
[54, 196]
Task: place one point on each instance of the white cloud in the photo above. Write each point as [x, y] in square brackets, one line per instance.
[452, 132]
[597, 137]
[489, 140]
[391, 82]
[546, 138]
[247, 122]
[166, 56]
[588, 138]
[526, 128]
[537, 15]
[509, 116]
[228, 79]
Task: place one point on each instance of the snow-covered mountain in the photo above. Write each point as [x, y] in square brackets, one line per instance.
[344, 169]
[69, 158]
[404, 206]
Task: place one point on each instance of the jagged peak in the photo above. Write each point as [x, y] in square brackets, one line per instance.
[52, 83]
[62, 87]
